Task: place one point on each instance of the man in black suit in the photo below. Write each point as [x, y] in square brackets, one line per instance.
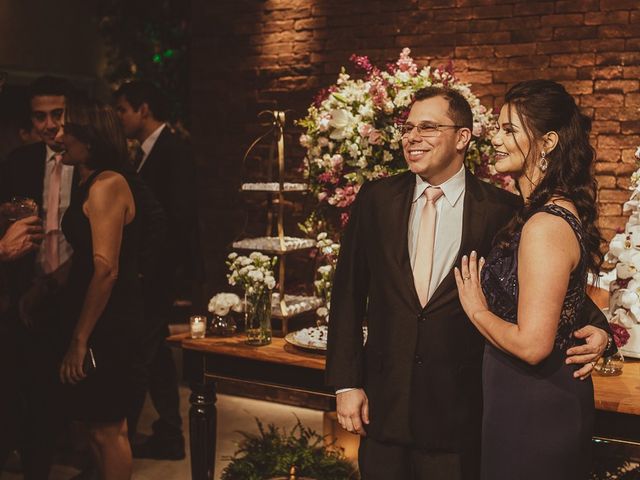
[414, 392]
[165, 162]
[30, 360]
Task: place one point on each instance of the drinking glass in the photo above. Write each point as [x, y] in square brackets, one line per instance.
[21, 207]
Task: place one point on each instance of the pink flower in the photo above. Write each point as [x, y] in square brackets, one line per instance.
[364, 129]
[362, 62]
[375, 137]
[336, 161]
[405, 63]
[322, 196]
[344, 219]
[620, 334]
[323, 95]
[378, 92]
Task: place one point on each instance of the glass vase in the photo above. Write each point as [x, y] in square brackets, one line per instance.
[611, 365]
[223, 325]
[258, 317]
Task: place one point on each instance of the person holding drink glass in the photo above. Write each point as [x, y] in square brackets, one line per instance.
[36, 275]
[23, 234]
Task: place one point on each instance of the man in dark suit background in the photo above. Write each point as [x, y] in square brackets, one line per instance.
[166, 164]
[414, 392]
[29, 359]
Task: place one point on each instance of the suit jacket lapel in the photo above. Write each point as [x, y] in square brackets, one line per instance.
[150, 162]
[399, 228]
[473, 230]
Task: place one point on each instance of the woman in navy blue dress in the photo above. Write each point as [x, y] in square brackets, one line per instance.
[527, 297]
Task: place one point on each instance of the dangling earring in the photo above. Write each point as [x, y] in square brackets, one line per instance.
[543, 164]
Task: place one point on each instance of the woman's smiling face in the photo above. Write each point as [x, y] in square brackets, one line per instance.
[511, 143]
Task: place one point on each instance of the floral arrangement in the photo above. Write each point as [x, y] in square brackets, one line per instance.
[328, 251]
[221, 303]
[254, 274]
[352, 135]
[624, 288]
[635, 176]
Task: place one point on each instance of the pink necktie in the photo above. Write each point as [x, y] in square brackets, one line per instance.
[52, 222]
[426, 239]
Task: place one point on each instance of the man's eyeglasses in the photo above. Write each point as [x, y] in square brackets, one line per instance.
[425, 129]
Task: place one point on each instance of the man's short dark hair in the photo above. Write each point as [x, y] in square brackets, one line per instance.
[459, 108]
[138, 92]
[49, 86]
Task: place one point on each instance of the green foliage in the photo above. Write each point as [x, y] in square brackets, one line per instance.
[272, 452]
[148, 40]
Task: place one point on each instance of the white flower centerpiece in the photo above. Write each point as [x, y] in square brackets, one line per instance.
[220, 306]
[352, 132]
[624, 251]
[254, 274]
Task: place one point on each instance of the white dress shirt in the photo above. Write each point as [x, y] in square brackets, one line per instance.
[148, 144]
[64, 249]
[449, 210]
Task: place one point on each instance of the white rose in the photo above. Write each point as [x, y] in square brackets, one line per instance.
[256, 276]
[322, 312]
[232, 256]
[270, 282]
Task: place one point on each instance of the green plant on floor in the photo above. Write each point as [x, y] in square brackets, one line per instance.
[272, 451]
[612, 461]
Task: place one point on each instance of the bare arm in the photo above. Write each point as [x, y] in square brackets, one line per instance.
[548, 252]
[109, 207]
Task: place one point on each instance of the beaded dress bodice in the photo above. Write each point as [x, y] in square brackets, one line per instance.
[499, 279]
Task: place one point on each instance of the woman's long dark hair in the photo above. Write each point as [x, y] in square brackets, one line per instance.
[98, 126]
[543, 106]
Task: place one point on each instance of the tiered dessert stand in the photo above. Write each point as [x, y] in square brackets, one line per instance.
[285, 307]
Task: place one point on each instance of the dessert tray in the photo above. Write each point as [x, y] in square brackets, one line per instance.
[272, 244]
[274, 187]
[313, 338]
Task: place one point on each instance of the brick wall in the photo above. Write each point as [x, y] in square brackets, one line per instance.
[248, 55]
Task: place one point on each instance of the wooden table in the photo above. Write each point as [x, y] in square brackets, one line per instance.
[294, 372]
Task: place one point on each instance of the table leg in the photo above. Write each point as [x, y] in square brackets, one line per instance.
[202, 430]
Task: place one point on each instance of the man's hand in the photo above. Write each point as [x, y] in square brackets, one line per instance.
[589, 353]
[352, 408]
[21, 237]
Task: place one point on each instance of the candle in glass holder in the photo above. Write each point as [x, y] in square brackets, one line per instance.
[198, 326]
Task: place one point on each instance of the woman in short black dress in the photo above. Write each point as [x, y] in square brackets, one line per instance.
[527, 298]
[102, 226]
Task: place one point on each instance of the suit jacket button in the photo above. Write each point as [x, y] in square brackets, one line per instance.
[418, 360]
[422, 317]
